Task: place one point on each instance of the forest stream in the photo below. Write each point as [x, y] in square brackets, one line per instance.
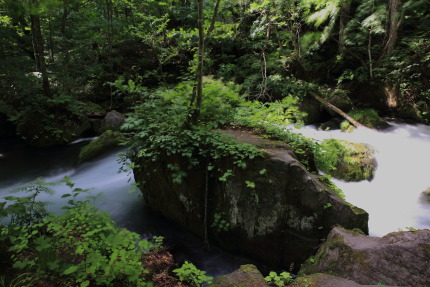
[393, 198]
[20, 165]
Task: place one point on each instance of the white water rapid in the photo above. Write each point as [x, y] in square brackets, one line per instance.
[394, 198]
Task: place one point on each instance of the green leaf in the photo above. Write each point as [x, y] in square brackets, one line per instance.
[71, 269]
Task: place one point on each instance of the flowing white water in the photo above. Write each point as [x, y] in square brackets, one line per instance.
[394, 198]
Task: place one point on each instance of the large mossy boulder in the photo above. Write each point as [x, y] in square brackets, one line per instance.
[346, 160]
[313, 112]
[108, 140]
[399, 258]
[42, 130]
[245, 276]
[273, 210]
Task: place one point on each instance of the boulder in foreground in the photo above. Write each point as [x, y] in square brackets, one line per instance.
[273, 210]
[399, 258]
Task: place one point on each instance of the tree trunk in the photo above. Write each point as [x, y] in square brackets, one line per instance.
[200, 59]
[343, 22]
[394, 21]
[51, 42]
[109, 17]
[39, 53]
[66, 47]
[197, 95]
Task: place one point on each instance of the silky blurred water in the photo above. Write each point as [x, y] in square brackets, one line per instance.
[394, 198]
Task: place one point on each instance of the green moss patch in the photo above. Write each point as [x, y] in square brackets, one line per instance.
[346, 160]
[367, 117]
[100, 145]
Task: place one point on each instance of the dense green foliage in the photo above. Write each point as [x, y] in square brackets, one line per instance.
[81, 247]
[64, 61]
[157, 128]
[265, 46]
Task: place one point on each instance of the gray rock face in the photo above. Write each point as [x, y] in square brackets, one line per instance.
[274, 210]
[112, 121]
[325, 280]
[399, 258]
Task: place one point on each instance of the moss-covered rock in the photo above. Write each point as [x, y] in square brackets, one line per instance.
[112, 121]
[46, 130]
[312, 110]
[272, 210]
[97, 147]
[245, 276]
[399, 258]
[367, 117]
[346, 160]
[325, 280]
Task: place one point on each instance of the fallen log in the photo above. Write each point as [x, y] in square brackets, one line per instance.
[319, 97]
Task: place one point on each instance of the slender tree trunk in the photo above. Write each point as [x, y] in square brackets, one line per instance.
[109, 17]
[51, 42]
[395, 20]
[369, 52]
[39, 53]
[198, 93]
[66, 61]
[343, 22]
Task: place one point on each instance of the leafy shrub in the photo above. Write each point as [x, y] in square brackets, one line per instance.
[157, 128]
[278, 280]
[257, 114]
[81, 247]
[218, 103]
[275, 119]
[189, 273]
